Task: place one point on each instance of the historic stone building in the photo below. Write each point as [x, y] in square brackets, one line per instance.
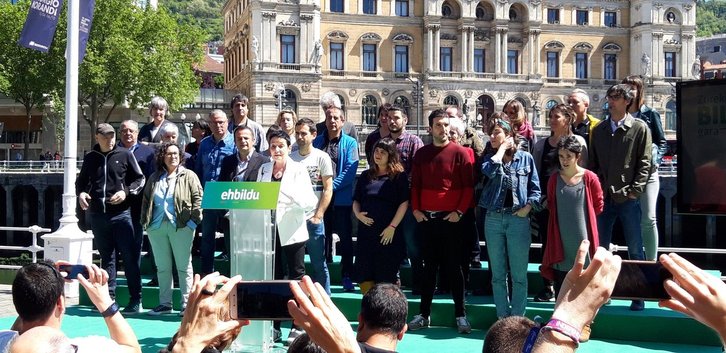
[475, 54]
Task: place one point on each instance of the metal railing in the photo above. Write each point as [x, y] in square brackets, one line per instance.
[35, 166]
[34, 248]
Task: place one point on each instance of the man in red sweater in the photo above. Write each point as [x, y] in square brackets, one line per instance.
[442, 187]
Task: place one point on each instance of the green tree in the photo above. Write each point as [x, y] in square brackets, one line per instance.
[28, 76]
[134, 54]
[710, 17]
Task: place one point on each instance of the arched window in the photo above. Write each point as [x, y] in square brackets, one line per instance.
[484, 108]
[548, 106]
[605, 110]
[670, 122]
[446, 10]
[369, 110]
[451, 100]
[342, 103]
[480, 12]
[402, 102]
[512, 14]
[289, 101]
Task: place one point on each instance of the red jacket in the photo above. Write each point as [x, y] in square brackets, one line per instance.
[554, 252]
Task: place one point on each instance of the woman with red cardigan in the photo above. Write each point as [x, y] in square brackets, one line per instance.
[576, 195]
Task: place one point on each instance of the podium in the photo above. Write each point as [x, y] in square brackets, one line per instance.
[252, 230]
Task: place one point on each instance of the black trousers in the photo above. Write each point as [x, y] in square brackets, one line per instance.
[442, 244]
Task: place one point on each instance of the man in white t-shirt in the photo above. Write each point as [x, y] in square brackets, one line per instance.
[320, 168]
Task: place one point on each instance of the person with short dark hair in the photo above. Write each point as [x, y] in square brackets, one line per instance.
[508, 335]
[37, 289]
[620, 155]
[200, 130]
[382, 319]
[108, 176]
[442, 187]
[508, 197]
[240, 117]
[320, 169]
[303, 344]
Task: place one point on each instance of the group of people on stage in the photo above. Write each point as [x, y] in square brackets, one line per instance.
[430, 204]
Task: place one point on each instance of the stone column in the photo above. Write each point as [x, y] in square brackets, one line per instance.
[505, 49]
[497, 52]
[267, 42]
[430, 47]
[464, 46]
[471, 49]
[437, 47]
[657, 60]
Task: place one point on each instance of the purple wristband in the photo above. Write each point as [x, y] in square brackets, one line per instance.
[563, 328]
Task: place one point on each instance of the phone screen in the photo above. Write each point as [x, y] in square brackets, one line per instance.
[641, 280]
[72, 271]
[261, 300]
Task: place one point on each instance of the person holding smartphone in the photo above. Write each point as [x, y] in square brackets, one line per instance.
[170, 212]
[512, 190]
[295, 200]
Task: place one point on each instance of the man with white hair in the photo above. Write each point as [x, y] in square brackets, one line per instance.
[149, 133]
[584, 123]
[331, 100]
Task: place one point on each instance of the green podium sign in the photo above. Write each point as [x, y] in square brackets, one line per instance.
[230, 195]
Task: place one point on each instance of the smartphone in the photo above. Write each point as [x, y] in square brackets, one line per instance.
[260, 300]
[72, 271]
[641, 280]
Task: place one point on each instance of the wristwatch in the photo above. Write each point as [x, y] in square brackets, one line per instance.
[111, 311]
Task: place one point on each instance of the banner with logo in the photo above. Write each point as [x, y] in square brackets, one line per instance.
[229, 195]
[84, 27]
[40, 24]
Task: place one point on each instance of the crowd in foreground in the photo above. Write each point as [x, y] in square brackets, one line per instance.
[39, 299]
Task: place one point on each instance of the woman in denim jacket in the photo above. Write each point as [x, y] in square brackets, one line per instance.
[509, 195]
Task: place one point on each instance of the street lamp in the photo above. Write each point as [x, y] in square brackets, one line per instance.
[417, 95]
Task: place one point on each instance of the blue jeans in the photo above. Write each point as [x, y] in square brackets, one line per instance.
[629, 214]
[508, 239]
[113, 234]
[210, 221]
[316, 250]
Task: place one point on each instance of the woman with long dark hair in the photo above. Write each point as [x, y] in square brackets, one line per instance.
[512, 190]
[649, 198]
[379, 203]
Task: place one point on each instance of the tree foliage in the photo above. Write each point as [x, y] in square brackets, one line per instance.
[710, 17]
[207, 14]
[28, 76]
[134, 54]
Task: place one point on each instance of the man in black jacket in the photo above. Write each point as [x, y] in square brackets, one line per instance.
[109, 174]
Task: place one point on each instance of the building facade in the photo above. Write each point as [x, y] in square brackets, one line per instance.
[474, 54]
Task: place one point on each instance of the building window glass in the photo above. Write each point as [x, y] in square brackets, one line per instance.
[553, 63]
[512, 61]
[446, 10]
[342, 103]
[451, 100]
[479, 60]
[369, 110]
[402, 102]
[369, 57]
[402, 8]
[512, 14]
[401, 58]
[336, 5]
[480, 12]
[553, 16]
[289, 101]
[287, 49]
[581, 17]
[670, 122]
[610, 67]
[369, 7]
[336, 56]
[611, 19]
[581, 65]
[445, 59]
[670, 64]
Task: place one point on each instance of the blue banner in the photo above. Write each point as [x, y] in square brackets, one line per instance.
[84, 28]
[40, 24]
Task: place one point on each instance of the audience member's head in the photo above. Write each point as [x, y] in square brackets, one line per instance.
[383, 311]
[330, 100]
[303, 344]
[200, 130]
[507, 335]
[42, 339]
[38, 295]
[219, 343]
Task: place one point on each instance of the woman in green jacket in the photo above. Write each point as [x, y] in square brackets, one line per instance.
[170, 211]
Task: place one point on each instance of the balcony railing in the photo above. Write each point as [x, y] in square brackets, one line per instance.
[274, 66]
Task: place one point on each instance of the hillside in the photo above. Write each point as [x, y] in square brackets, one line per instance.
[710, 17]
[207, 14]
